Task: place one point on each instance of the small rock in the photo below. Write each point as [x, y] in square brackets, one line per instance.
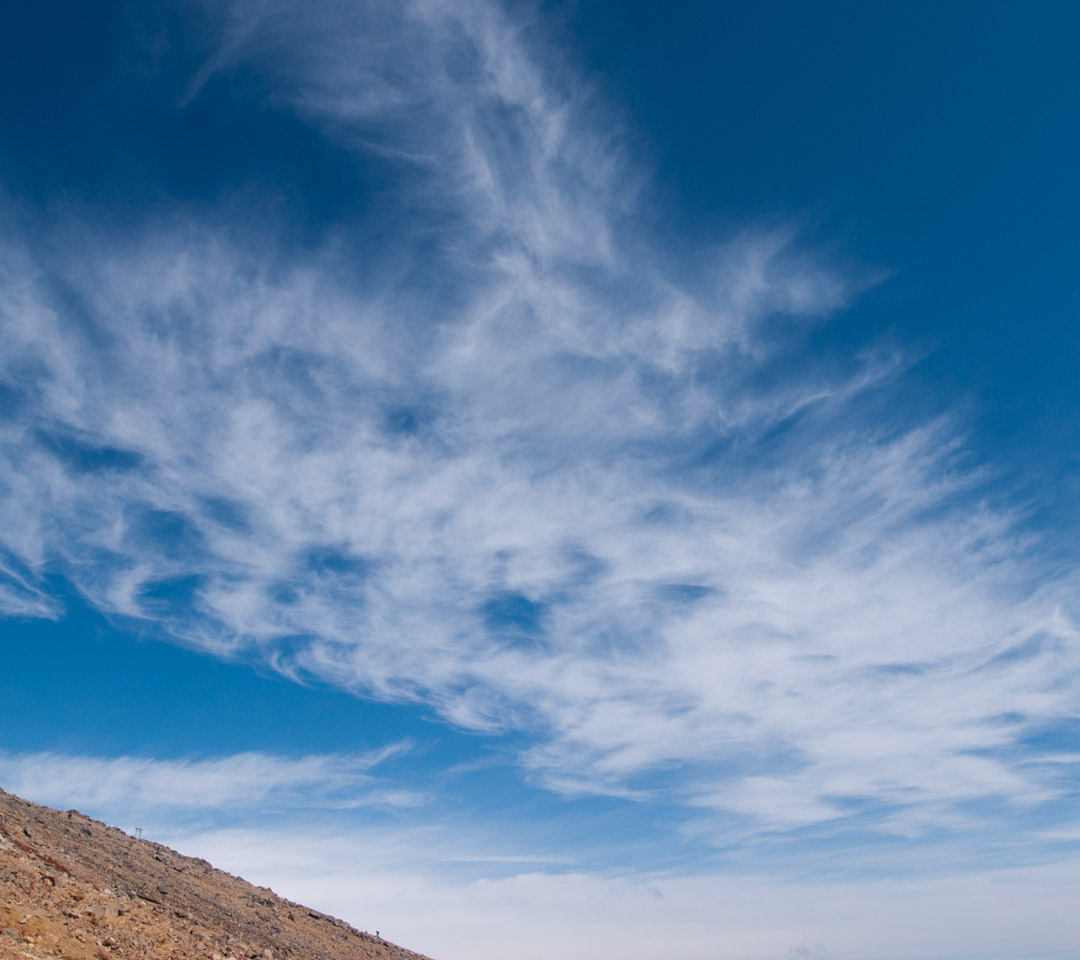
[11, 932]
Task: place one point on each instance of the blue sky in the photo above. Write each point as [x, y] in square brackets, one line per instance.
[594, 479]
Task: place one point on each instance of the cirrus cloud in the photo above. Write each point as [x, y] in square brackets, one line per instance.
[518, 467]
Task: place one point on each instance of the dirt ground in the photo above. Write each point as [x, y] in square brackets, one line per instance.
[75, 888]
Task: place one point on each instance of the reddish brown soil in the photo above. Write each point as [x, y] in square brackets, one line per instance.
[75, 888]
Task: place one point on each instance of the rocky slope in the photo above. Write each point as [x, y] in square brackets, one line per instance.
[75, 888]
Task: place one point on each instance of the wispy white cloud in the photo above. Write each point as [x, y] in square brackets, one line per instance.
[117, 787]
[21, 595]
[520, 469]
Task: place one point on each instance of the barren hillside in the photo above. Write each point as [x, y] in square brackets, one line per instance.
[75, 888]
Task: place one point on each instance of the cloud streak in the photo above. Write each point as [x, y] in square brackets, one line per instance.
[121, 786]
[519, 467]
